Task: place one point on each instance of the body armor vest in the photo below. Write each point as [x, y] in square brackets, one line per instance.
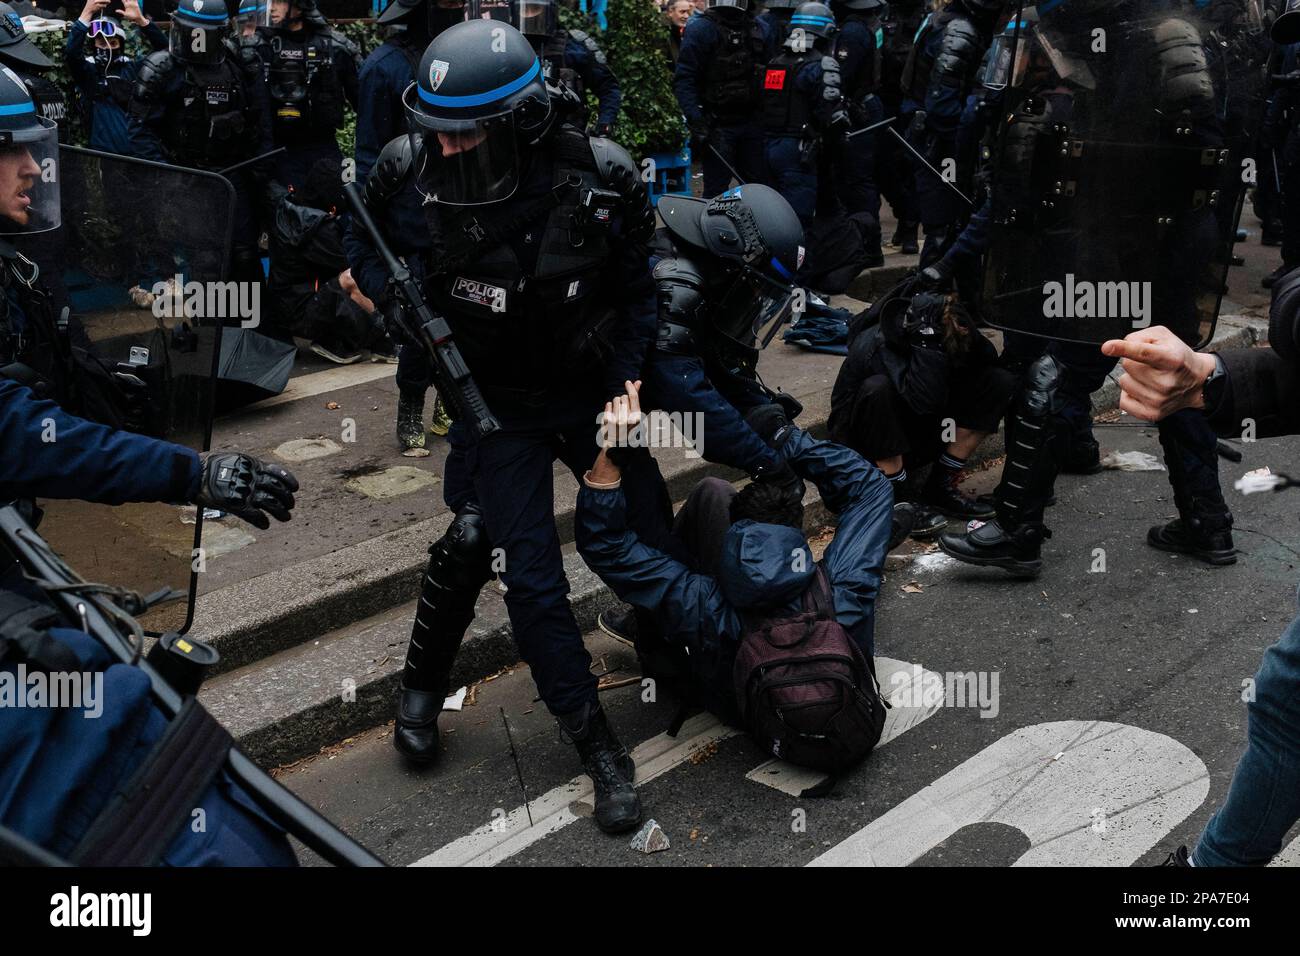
[529, 326]
[869, 74]
[783, 109]
[729, 80]
[49, 100]
[920, 62]
[212, 129]
[305, 91]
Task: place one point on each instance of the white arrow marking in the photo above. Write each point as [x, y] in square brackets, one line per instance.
[1085, 793]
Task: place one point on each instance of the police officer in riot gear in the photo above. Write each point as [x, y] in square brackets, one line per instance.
[940, 74]
[23, 57]
[385, 75]
[894, 176]
[571, 57]
[723, 50]
[858, 50]
[201, 104]
[106, 78]
[538, 261]
[1151, 216]
[724, 288]
[311, 76]
[801, 104]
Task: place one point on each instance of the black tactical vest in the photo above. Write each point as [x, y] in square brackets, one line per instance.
[869, 74]
[213, 128]
[783, 109]
[552, 57]
[920, 63]
[729, 79]
[529, 326]
[49, 100]
[303, 85]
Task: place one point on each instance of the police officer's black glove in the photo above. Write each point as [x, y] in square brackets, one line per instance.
[699, 135]
[770, 422]
[391, 311]
[783, 477]
[246, 487]
[604, 130]
[935, 278]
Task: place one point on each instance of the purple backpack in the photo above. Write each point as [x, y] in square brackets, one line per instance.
[804, 690]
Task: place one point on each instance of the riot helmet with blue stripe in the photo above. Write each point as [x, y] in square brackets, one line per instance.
[198, 29]
[16, 48]
[29, 162]
[478, 96]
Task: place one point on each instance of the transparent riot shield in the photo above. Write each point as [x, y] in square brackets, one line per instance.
[1123, 154]
[143, 245]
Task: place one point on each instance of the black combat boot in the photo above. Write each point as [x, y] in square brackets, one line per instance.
[901, 524]
[415, 735]
[905, 238]
[941, 493]
[1276, 275]
[1203, 530]
[1019, 551]
[610, 766]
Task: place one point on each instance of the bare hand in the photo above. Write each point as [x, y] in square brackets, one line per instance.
[91, 10]
[132, 13]
[622, 415]
[349, 285]
[1162, 374]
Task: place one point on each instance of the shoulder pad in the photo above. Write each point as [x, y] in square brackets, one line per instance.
[391, 171]
[341, 39]
[590, 45]
[618, 171]
[960, 38]
[676, 270]
[830, 64]
[153, 73]
[582, 36]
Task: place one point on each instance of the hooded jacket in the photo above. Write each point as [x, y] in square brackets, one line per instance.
[761, 567]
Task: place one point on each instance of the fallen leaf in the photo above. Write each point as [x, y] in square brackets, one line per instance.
[912, 587]
[332, 405]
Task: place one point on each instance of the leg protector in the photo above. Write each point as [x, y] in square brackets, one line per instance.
[1031, 466]
[459, 566]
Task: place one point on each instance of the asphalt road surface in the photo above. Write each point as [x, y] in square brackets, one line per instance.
[1092, 716]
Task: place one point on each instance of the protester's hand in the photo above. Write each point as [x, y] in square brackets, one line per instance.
[1162, 374]
[246, 487]
[699, 134]
[131, 12]
[934, 278]
[769, 421]
[349, 285]
[622, 415]
[91, 10]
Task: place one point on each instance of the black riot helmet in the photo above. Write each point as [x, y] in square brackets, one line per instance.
[29, 162]
[423, 18]
[1012, 50]
[307, 13]
[861, 6]
[810, 20]
[729, 4]
[754, 245]
[502, 11]
[16, 49]
[536, 18]
[1286, 28]
[782, 5]
[198, 29]
[478, 96]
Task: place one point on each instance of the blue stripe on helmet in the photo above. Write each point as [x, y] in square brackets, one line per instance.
[17, 109]
[184, 14]
[813, 20]
[782, 271]
[481, 99]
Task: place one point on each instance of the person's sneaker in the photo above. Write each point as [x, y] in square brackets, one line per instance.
[1276, 275]
[1178, 858]
[440, 420]
[619, 623]
[608, 764]
[410, 422]
[415, 733]
[989, 545]
[943, 494]
[383, 351]
[338, 358]
[1207, 541]
[928, 523]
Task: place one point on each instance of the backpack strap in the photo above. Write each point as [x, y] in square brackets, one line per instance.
[819, 599]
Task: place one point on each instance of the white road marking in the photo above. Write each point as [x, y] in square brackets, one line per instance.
[317, 383]
[487, 846]
[795, 781]
[1290, 855]
[1114, 792]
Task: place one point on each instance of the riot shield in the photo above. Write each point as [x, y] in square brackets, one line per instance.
[142, 243]
[1122, 158]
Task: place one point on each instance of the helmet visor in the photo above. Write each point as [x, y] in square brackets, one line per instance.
[29, 179]
[191, 44]
[252, 14]
[490, 10]
[1007, 60]
[753, 308]
[465, 162]
[536, 18]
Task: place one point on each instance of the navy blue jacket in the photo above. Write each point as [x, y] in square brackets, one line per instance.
[757, 570]
[855, 48]
[51, 454]
[596, 77]
[106, 119]
[700, 42]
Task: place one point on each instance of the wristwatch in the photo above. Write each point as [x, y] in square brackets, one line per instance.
[1212, 387]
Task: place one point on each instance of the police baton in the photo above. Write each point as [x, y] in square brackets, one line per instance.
[248, 162]
[868, 129]
[722, 159]
[924, 162]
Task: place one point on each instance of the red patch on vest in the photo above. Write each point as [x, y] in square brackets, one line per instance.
[774, 80]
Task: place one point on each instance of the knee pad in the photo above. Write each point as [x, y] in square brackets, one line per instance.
[1039, 397]
[461, 560]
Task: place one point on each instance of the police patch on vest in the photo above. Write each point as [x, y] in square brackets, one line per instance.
[480, 293]
[218, 96]
[774, 80]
